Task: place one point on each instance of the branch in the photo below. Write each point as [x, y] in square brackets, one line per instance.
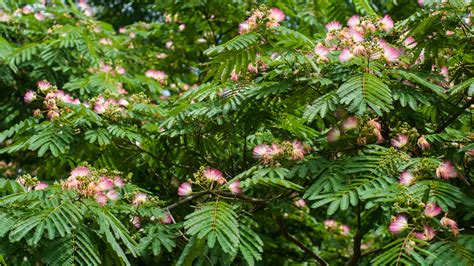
[454, 117]
[300, 244]
[243, 197]
[357, 241]
[189, 198]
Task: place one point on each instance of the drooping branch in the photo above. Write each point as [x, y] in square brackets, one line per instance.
[453, 118]
[357, 240]
[300, 244]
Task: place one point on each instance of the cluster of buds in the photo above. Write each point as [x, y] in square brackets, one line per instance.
[157, 75]
[269, 154]
[400, 223]
[334, 226]
[88, 182]
[208, 177]
[360, 38]
[270, 18]
[31, 183]
[109, 69]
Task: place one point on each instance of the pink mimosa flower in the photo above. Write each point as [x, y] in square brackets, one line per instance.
[80, 171]
[345, 55]
[118, 182]
[423, 143]
[353, 21]
[386, 23]
[275, 150]
[39, 16]
[166, 218]
[446, 170]
[136, 221]
[427, 234]
[181, 27]
[356, 36]
[334, 134]
[358, 50]
[261, 151]
[44, 85]
[101, 198]
[420, 2]
[244, 27]
[105, 41]
[276, 14]
[113, 195]
[105, 184]
[321, 50]
[445, 221]
[398, 224]
[122, 102]
[345, 229]
[400, 141]
[431, 210]
[185, 189]
[410, 43]
[41, 186]
[300, 203]
[298, 150]
[252, 69]
[350, 123]
[72, 183]
[406, 178]
[234, 76]
[212, 174]
[29, 96]
[169, 44]
[333, 25]
[235, 187]
[139, 198]
[330, 224]
[391, 54]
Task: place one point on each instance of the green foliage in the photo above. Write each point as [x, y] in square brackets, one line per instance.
[281, 152]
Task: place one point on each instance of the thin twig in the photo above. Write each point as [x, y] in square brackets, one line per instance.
[300, 244]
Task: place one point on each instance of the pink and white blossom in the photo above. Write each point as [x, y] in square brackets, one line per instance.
[399, 223]
[353, 21]
[333, 25]
[345, 229]
[391, 54]
[350, 123]
[300, 203]
[105, 183]
[431, 210]
[427, 234]
[400, 141]
[252, 69]
[185, 189]
[321, 50]
[113, 195]
[298, 151]
[446, 170]
[345, 55]
[212, 174]
[276, 14]
[80, 171]
[410, 43]
[423, 143]
[136, 221]
[334, 134]
[41, 186]
[261, 151]
[386, 23]
[101, 198]
[234, 76]
[139, 198]
[118, 182]
[43, 85]
[235, 187]
[406, 178]
[330, 224]
[29, 96]
[453, 226]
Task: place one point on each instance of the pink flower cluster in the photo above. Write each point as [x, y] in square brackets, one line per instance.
[53, 96]
[350, 123]
[89, 183]
[157, 75]
[270, 18]
[333, 225]
[400, 223]
[359, 38]
[269, 153]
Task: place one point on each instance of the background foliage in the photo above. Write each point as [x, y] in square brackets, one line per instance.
[296, 151]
